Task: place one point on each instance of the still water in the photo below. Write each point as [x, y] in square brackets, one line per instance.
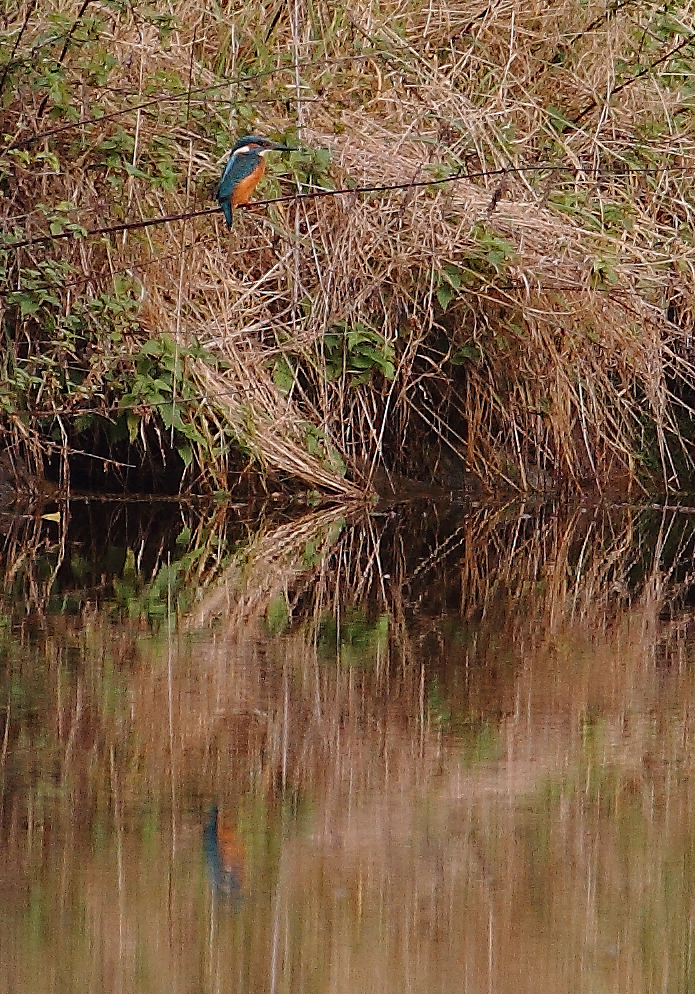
[430, 749]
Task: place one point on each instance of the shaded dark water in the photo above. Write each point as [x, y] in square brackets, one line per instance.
[432, 749]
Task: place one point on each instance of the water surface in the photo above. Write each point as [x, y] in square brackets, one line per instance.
[429, 749]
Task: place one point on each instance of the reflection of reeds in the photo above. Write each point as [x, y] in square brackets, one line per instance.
[269, 564]
[515, 714]
[453, 626]
[33, 550]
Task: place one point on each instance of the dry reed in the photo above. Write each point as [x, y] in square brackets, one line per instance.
[538, 322]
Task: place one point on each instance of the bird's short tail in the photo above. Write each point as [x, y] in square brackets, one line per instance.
[227, 211]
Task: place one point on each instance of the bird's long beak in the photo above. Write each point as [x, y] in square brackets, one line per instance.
[277, 147]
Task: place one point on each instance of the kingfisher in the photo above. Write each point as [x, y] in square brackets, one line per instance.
[225, 854]
[243, 171]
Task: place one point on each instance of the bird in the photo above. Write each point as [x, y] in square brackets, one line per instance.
[243, 171]
[225, 854]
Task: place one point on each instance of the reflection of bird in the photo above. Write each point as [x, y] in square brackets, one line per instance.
[225, 854]
[243, 171]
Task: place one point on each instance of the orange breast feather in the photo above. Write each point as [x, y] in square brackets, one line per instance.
[245, 187]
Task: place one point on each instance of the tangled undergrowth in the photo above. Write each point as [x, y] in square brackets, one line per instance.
[515, 310]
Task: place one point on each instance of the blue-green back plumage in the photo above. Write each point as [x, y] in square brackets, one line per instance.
[239, 166]
[245, 158]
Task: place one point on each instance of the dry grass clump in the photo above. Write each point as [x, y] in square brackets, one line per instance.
[529, 324]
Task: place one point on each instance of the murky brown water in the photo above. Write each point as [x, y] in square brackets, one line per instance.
[432, 750]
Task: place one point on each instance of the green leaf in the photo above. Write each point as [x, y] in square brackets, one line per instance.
[445, 295]
[135, 171]
[133, 426]
[28, 303]
[154, 347]
[469, 351]
[558, 120]
[453, 275]
[283, 376]
[186, 453]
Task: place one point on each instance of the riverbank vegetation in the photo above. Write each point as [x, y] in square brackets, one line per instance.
[513, 310]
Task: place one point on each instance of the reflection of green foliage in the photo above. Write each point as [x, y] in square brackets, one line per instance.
[315, 548]
[37, 916]
[354, 640]
[259, 826]
[437, 706]
[592, 727]
[151, 826]
[169, 590]
[277, 615]
[481, 742]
